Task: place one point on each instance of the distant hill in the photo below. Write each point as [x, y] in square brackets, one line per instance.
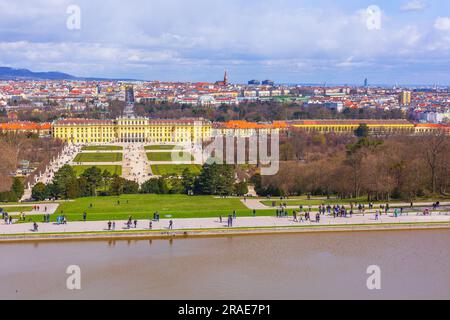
[25, 74]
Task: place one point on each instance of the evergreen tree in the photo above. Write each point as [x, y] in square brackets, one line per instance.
[94, 179]
[18, 188]
[150, 187]
[130, 187]
[363, 131]
[216, 179]
[117, 185]
[40, 192]
[188, 181]
[64, 179]
[241, 188]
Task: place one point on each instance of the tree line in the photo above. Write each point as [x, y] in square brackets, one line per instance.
[213, 179]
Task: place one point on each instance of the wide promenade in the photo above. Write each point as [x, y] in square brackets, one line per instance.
[215, 224]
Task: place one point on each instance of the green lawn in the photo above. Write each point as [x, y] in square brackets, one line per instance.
[169, 169]
[102, 148]
[79, 170]
[167, 156]
[17, 209]
[99, 157]
[162, 147]
[143, 207]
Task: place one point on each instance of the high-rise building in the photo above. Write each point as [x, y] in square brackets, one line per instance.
[405, 98]
[129, 102]
[254, 82]
[366, 82]
[268, 83]
[129, 94]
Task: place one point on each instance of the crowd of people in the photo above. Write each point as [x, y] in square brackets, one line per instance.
[302, 214]
[133, 223]
[7, 217]
[341, 211]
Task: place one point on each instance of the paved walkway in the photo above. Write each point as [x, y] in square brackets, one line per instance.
[44, 208]
[66, 157]
[135, 164]
[255, 204]
[213, 223]
[258, 205]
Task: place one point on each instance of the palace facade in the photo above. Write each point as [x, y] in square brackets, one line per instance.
[132, 130]
[349, 126]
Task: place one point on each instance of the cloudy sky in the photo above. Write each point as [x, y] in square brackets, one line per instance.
[289, 41]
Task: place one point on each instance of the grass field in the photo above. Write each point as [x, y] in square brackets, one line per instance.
[17, 209]
[79, 170]
[161, 148]
[99, 157]
[102, 148]
[169, 169]
[143, 207]
[167, 156]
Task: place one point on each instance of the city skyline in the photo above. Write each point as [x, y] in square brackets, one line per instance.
[290, 42]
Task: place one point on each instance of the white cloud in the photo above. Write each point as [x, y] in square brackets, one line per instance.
[273, 34]
[442, 24]
[414, 5]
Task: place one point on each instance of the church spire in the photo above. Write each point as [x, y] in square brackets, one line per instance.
[225, 78]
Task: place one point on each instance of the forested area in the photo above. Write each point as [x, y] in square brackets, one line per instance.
[17, 147]
[261, 112]
[403, 167]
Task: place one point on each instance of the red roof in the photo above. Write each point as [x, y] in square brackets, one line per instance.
[24, 126]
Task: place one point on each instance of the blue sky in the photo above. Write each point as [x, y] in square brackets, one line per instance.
[289, 41]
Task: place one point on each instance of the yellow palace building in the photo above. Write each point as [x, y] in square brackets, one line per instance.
[132, 130]
[349, 126]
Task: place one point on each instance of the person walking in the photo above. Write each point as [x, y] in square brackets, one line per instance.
[171, 225]
[230, 221]
[84, 216]
[109, 225]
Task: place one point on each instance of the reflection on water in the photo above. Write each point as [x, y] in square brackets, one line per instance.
[414, 264]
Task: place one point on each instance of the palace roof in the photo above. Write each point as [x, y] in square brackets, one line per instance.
[24, 126]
